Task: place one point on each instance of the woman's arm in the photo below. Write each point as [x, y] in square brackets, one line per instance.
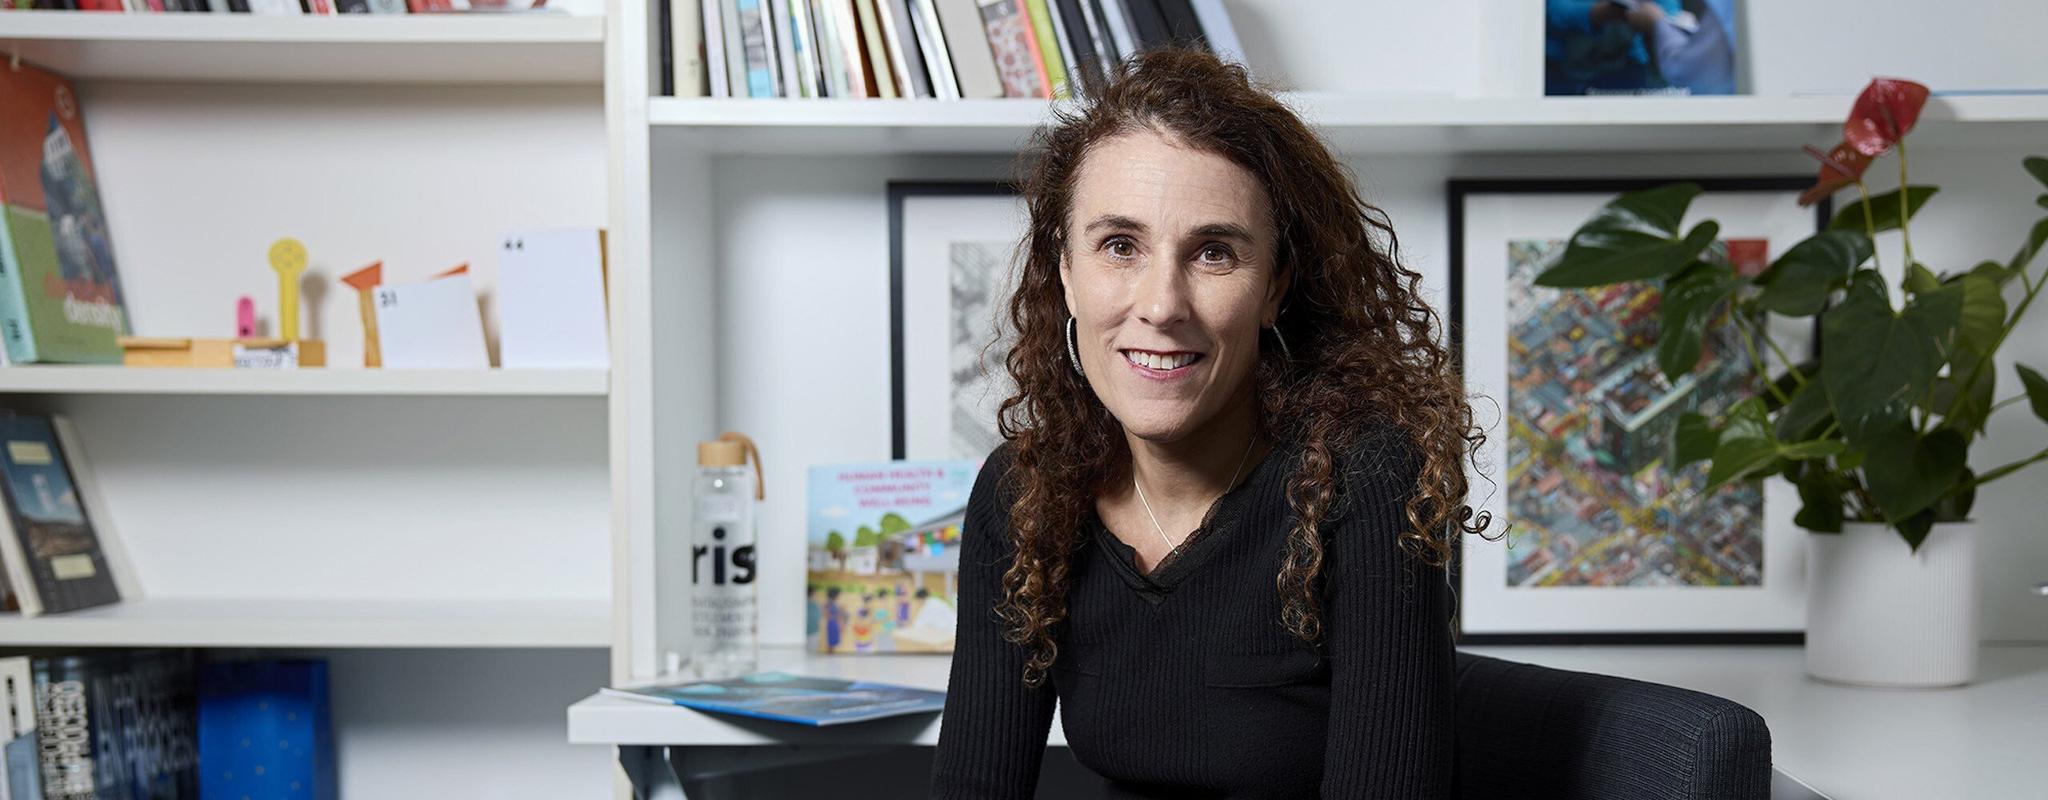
[1388, 637]
[992, 739]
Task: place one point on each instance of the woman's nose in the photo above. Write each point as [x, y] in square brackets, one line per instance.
[1162, 293]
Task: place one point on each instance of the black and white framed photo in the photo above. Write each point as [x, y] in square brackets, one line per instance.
[953, 259]
[1603, 541]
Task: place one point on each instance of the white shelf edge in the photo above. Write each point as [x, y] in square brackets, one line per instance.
[492, 29]
[1345, 110]
[52, 379]
[271, 622]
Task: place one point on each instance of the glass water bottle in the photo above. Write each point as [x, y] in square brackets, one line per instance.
[724, 610]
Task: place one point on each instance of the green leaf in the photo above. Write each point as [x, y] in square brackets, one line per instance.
[2037, 390]
[1820, 499]
[2032, 245]
[1745, 447]
[1920, 279]
[1817, 448]
[1694, 440]
[1798, 283]
[1689, 303]
[1879, 362]
[2038, 167]
[1906, 472]
[1619, 235]
[1982, 317]
[1955, 506]
[1884, 210]
[1914, 529]
[1970, 411]
[1807, 415]
[1603, 258]
[1992, 271]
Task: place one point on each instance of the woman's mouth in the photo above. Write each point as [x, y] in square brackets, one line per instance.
[1159, 365]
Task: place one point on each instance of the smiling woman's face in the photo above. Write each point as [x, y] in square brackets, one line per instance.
[1169, 273]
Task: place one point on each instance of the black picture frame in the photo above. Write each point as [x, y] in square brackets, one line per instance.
[1457, 193]
[899, 192]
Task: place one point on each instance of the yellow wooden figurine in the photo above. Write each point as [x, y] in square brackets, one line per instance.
[288, 260]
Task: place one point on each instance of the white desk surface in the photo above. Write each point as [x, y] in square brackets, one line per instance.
[1989, 739]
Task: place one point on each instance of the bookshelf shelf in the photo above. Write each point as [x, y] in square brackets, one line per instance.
[1355, 123]
[427, 49]
[269, 622]
[125, 380]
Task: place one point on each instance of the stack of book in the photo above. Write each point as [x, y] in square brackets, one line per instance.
[941, 49]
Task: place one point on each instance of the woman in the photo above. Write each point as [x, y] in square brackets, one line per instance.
[1217, 527]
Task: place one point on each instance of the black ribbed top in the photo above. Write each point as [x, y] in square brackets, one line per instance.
[1185, 683]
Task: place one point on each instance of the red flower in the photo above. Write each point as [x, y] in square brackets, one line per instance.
[1884, 113]
[1839, 167]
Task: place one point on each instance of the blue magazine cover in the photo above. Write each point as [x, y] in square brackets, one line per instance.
[793, 698]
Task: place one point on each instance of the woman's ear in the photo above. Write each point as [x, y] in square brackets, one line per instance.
[1276, 293]
[1067, 281]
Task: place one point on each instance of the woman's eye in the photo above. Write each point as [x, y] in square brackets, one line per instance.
[1121, 248]
[1217, 254]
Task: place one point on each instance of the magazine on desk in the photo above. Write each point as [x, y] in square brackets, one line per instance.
[792, 698]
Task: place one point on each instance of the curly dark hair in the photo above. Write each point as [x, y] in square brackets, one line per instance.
[1361, 338]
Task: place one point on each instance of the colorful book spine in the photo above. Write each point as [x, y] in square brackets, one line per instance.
[1015, 49]
[754, 49]
[1052, 57]
[873, 51]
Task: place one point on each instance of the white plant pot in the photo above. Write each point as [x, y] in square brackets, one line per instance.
[1880, 614]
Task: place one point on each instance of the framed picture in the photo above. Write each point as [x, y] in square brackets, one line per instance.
[1603, 541]
[954, 254]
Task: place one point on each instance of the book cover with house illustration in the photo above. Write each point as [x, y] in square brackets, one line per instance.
[884, 549]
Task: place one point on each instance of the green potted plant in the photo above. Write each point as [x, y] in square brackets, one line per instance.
[1874, 429]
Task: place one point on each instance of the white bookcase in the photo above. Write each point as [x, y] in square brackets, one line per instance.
[750, 251]
[439, 535]
[470, 547]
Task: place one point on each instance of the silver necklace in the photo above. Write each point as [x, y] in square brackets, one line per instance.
[1170, 546]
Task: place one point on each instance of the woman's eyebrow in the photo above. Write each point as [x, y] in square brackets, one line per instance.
[1214, 230]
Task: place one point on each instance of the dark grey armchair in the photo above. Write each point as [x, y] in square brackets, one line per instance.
[1530, 731]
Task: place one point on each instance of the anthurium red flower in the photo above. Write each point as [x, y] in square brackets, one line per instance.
[1839, 167]
[1883, 114]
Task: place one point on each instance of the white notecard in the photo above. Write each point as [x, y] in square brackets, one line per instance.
[431, 325]
[551, 300]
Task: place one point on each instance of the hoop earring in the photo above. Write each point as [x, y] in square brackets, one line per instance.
[1285, 354]
[1073, 352]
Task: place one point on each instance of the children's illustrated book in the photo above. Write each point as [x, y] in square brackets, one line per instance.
[52, 549]
[60, 297]
[793, 698]
[884, 548]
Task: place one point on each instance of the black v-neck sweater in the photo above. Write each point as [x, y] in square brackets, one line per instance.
[1185, 683]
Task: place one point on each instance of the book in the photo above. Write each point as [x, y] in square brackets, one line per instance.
[1086, 38]
[1181, 22]
[551, 307]
[781, 696]
[736, 77]
[54, 553]
[20, 778]
[924, 18]
[60, 293]
[666, 24]
[282, 702]
[1053, 55]
[1148, 23]
[716, 84]
[845, 39]
[803, 39]
[973, 61]
[1010, 41]
[873, 52]
[684, 48]
[756, 51]
[883, 555]
[788, 82]
[905, 56]
[1113, 15]
[117, 724]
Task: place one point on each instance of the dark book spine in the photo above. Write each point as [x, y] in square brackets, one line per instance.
[1181, 22]
[238, 6]
[1149, 22]
[351, 6]
[666, 25]
[1089, 64]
